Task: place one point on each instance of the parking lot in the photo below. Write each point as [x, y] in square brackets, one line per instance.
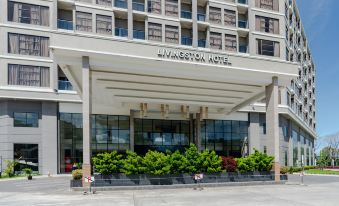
[318, 190]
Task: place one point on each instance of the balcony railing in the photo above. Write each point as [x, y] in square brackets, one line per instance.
[185, 40]
[138, 34]
[64, 85]
[242, 24]
[137, 6]
[186, 14]
[243, 48]
[65, 24]
[202, 43]
[120, 4]
[201, 17]
[122, 32]
[242, 1]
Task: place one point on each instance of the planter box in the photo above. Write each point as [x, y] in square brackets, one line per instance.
[76, 183]
[144, 179]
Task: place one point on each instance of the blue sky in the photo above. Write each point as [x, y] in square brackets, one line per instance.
[321, 21]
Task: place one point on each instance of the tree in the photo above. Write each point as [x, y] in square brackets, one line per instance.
[325, 157]
[333, 146]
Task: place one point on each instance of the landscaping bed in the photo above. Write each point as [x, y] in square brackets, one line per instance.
[144, 179]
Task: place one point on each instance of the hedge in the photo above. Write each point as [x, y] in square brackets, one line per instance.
[191, 161]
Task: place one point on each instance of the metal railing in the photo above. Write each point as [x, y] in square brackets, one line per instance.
[122, 32]
[186, 14]
[185, 40]
[137, 6]
[120, 4]
[242, 24]
[64, 85]
[65, 24]
[201, 17]
[202, 43]
[138, 34]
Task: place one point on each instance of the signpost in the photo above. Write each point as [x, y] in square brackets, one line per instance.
[198, 178]
[89, 180]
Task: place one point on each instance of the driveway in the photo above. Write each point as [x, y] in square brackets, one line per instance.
[318, 190]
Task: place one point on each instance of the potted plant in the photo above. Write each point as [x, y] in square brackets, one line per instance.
[28, 172]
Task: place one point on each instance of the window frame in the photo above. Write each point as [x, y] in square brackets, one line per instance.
[26, 123]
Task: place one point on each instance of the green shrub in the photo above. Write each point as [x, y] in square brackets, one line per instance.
[284, 170]
[77, 174]
[262, 161]
[132, 164]
[257, 161]
[192, 156]
[178, 163]
[245, 164]
[309, 167]
[157, 163]
[108, 163]
[27, 171]
[9, 171]
[290, 170]
[210, 162]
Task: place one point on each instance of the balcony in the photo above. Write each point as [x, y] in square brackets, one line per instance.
[137, 6]
[242, 24]
[185, 40]
[65, 24]
[122, 32]
[242, 2]
[202, 43]
[65, 85]
[120, 4]
[186, 14]
[243, 48]
[138, 34]
[201, 17]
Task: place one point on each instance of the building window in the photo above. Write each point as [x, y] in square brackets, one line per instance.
[171, 34]
[267, 4]
[104, 24]
[230, 18]
[215, 15]
[268, 48]
[267, 25]
[28, 45]
[226, 137]
[230, 43]
[28, 13]
[171, 8]
[154, 6]
[84, 21]
[26, 156]
[26, 75]
[26, 119]
[154, 32]
[104, 2]
[262, 124]
[161, 135]
[110, 133]
[215, 41]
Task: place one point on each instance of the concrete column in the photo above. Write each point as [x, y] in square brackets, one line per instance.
[198, 131]
[130, 18]
[253, 132]
[195, 24]
[290, 144]
[49, 140]
[272, 125]
[131, 131]
[54, 15]
[86, 119]
[191, 128]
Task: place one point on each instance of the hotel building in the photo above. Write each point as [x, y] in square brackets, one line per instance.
[89, 76]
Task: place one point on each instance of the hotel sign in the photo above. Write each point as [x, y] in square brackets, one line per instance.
[194, 56]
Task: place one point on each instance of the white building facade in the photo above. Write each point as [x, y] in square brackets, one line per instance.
[89, 76]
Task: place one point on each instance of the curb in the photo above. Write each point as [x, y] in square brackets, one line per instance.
[152, 187]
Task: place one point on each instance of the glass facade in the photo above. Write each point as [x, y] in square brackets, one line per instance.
[110, 133]
[161, 135]
[226, 137]
[27, 156]
[26, 119]
[295, 147]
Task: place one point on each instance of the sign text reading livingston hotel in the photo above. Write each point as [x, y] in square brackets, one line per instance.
[194, 56]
